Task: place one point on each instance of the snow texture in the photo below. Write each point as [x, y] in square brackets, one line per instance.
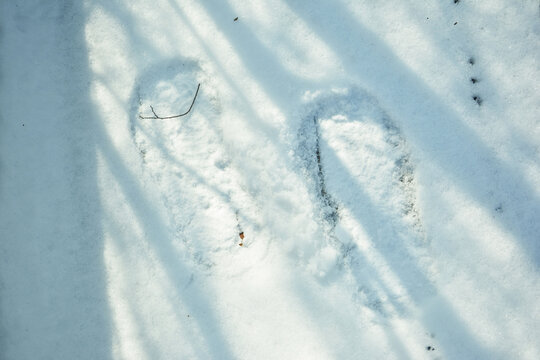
[355, 179]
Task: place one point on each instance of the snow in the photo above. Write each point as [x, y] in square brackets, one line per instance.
[381, 159]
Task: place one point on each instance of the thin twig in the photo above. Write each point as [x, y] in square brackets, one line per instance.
[153, 112]
[156, 116]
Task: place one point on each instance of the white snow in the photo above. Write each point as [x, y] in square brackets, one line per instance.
[380, 157]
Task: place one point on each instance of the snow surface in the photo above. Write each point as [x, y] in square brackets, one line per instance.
[381, 158]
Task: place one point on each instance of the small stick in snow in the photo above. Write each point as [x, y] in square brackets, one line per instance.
[156, 116]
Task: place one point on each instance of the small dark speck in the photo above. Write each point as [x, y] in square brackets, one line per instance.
[427, 18]
[236, 18]
[455, 23]
[474, 80]
[456, 1]
[499, 209]
[478, 99]
[430, 348]
[471, 61]
[22, 124]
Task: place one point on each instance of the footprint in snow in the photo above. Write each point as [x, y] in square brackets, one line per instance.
[186, 160]
[362, 181]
